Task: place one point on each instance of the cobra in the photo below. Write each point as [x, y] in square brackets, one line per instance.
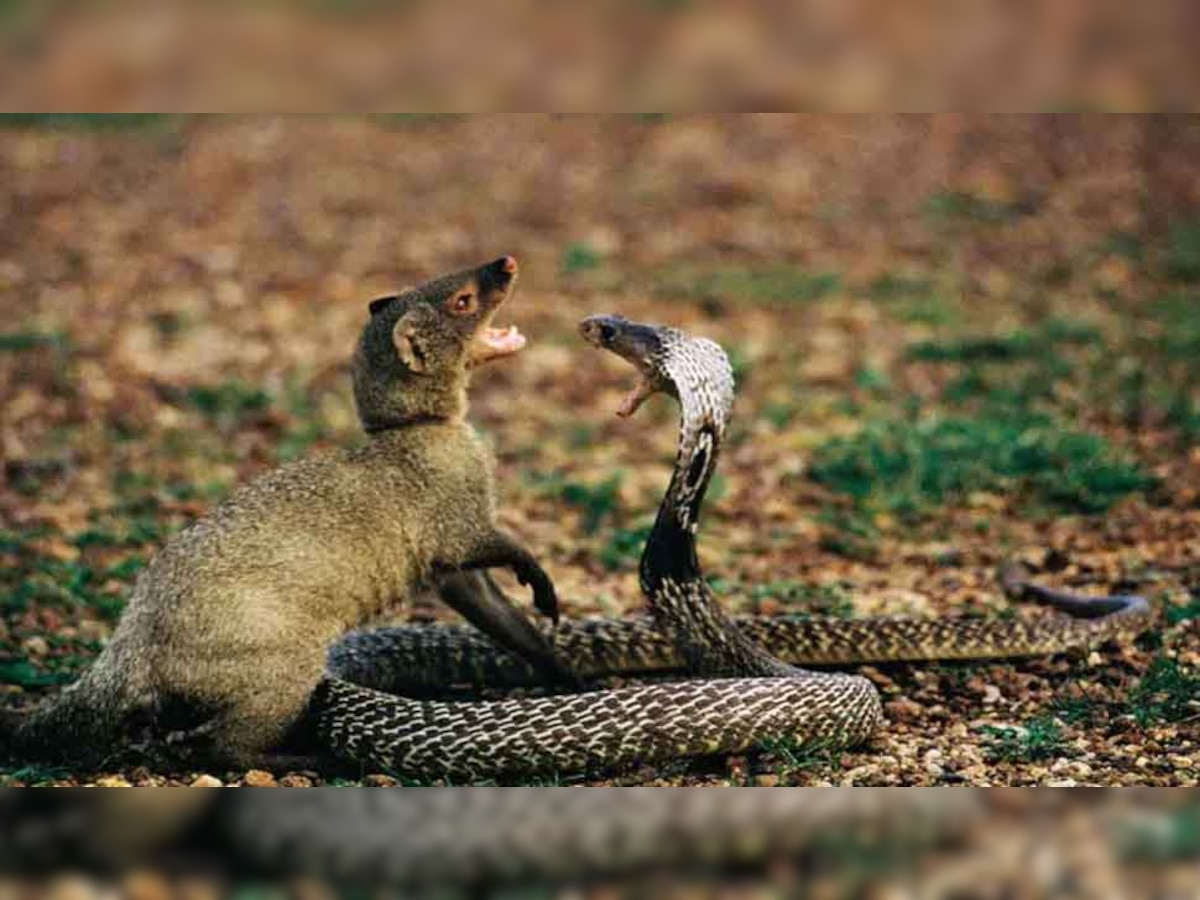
[741, 684]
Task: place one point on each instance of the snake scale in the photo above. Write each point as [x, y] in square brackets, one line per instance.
[741, 684]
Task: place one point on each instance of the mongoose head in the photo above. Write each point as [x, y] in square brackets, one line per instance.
[417, 348]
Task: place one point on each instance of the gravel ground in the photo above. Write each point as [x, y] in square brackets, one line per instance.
[180, 300]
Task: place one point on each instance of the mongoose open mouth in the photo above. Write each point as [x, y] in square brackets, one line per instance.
[493, 343]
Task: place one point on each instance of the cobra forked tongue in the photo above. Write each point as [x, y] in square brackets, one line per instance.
[494, 343]
[642, 390]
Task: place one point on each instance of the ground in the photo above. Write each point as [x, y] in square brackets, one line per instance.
[956, 342]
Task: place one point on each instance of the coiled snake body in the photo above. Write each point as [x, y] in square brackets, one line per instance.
[743, 688]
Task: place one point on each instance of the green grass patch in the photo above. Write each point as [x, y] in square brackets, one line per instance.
[806, 599]
[597, 502]
[906, 467]
[89, 121]
[306, 425]
[850, 533]
[24, 673]
[954, 207]
[19, 541]
[1041, 738]
[788, 757]
[780, 414]
[1177, 315]
[1167, 693]
[228, 404]
[1125, 244]
[774, 285]
[1178, 613]
[740, 363]
[579, 257]
[892, 287]
[933, 311]
[1015, 345]
[1183, 251]
[623, 548]
[186, 491]
[33, 776]
[580, 434]
[299, 438]
[1075, 710]
[19, 341]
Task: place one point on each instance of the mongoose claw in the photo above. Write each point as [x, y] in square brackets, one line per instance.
[545, 598]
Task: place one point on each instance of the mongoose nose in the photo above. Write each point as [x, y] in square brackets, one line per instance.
[507, 265]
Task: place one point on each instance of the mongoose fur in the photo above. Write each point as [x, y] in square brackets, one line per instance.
[231, 621]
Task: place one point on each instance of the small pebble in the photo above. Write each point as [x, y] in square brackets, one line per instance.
[902, 709]
[259, 778]
[207, 781]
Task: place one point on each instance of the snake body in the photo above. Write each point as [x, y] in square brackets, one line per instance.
[741, 687]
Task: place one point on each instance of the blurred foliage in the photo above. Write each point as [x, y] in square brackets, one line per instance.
[1046, 340]
[765, 284]
[907, 467]
[956, 206]
[119, 122]
[579, 258]
[1183, 251]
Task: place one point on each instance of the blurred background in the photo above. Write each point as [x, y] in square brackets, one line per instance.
[849, 55]
[957, 339]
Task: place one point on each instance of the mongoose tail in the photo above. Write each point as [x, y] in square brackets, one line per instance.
[87, 721]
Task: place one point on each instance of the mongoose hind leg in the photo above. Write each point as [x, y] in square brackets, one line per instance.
[245, 734]
[258, 712]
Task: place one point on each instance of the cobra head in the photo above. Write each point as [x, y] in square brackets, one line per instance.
[640, 345]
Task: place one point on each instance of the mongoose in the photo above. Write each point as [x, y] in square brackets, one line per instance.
[230, 622]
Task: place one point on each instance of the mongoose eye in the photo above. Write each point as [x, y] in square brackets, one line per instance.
[463, 304]
[608, 333]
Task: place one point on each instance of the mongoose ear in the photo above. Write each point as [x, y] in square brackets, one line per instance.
[378, 305]
[409, 346]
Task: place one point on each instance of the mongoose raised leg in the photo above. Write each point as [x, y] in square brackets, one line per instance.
[479, 600]
[496, 550]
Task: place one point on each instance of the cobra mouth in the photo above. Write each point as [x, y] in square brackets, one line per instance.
[629, 341]
[495, 343]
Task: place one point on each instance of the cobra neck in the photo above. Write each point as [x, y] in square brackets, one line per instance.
[671, 547]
